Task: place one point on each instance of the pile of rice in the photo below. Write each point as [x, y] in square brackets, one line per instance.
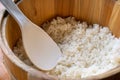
[87, 49]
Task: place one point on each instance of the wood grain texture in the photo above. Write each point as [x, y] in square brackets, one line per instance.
[103, 12]
[114, 22]
[3, 71]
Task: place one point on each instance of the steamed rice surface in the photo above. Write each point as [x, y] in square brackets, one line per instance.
[87, 49]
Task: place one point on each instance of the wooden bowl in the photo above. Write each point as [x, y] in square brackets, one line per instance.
[103, 12]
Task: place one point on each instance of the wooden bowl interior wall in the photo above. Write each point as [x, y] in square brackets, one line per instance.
[103, 12]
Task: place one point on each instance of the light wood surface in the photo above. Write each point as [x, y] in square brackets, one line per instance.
[103, 12]
[3, 71]
[114, 22]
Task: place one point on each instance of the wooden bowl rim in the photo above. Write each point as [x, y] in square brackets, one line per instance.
[14, 59]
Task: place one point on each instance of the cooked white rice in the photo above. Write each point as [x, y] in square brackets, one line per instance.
[87, 50]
